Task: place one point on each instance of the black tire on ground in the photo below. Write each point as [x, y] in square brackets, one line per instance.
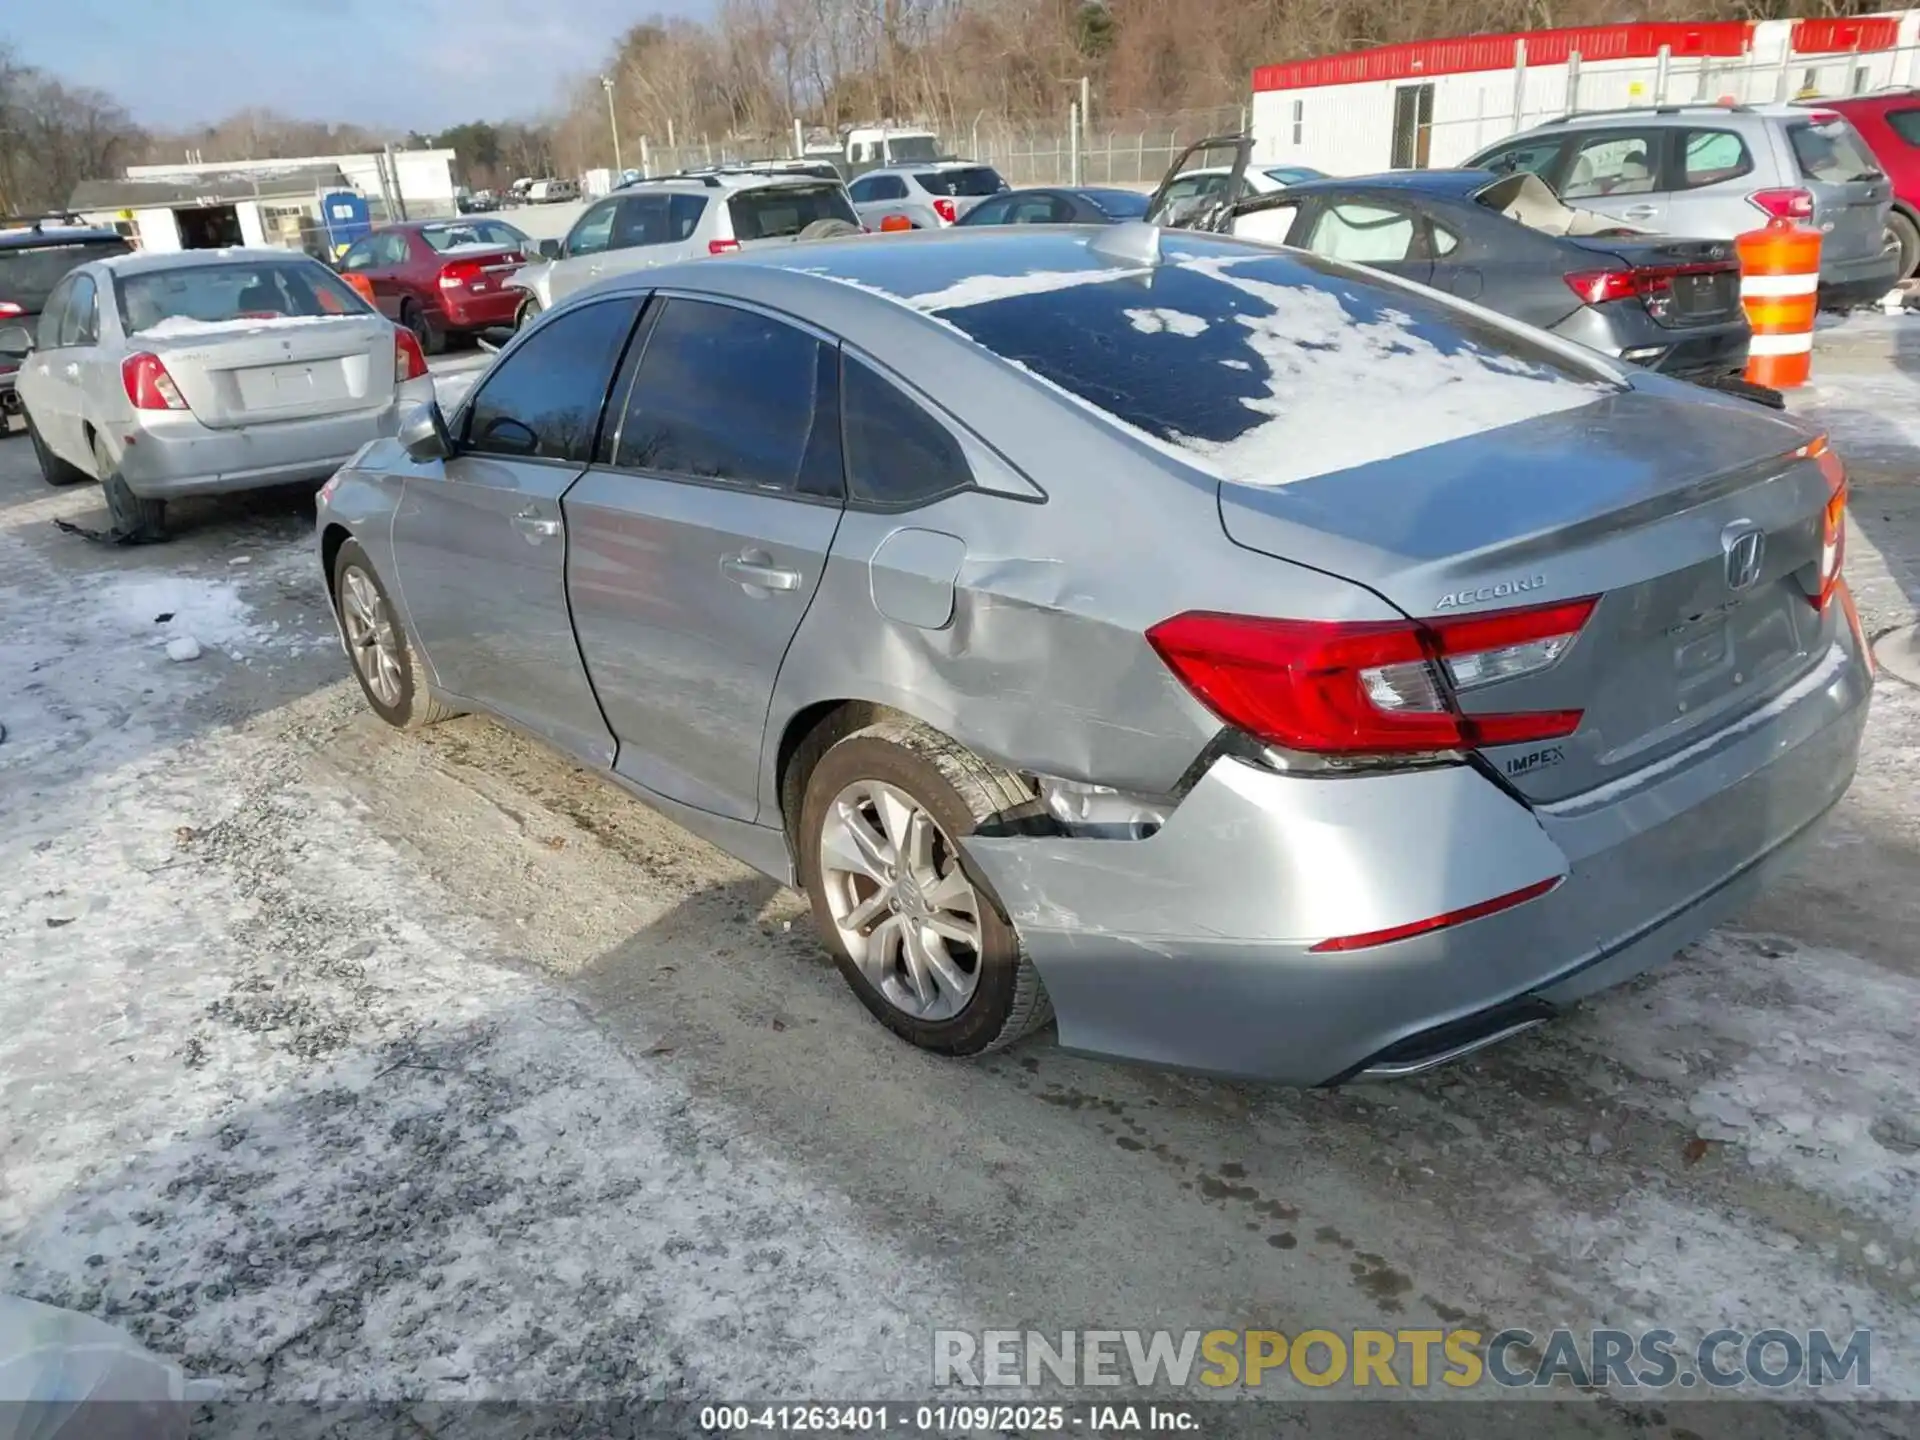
[136, 520]
[418, 705]
[432, 338]
[53, 469]
[1903, 232]
[827, 229]
[528, 312]
[959, 790]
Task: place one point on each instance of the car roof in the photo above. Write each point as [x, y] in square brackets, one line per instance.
[1459, 184]
[902, 167]
[708, 181]
[1662, 116]
[149, 262]
[34, 238]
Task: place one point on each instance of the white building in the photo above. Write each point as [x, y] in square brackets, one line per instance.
[1435, 102]
[424, 177]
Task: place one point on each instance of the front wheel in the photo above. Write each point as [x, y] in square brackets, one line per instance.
[922, 945]
[1903, 235]
[136, 519]
[384, 660]
[528, 312]
[432, 338]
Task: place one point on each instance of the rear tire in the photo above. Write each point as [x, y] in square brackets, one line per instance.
[827, 229]
[136, 519]
[1901, 231]
[528, 312]
[53, 469]
[985, 992]
[384, 659]
[433, 340]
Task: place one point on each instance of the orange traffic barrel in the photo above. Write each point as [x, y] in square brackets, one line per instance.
[360, 285]
[896, 222]
[1780, 288]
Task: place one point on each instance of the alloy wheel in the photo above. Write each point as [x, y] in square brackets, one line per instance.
[906, 912]
[371, 638]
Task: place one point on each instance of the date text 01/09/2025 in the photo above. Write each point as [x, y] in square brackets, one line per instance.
[911, 1418]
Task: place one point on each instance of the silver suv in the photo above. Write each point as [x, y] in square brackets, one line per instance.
[682, 217]
[928, 195]
[1720, 170]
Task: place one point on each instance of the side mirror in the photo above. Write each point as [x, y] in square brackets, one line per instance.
[16, 341]
[423, 433]
[549, 249]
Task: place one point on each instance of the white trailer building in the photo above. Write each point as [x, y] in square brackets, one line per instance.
[1435, 102]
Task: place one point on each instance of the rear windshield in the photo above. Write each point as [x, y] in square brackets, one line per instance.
[28, 274]
[479, 235]
[1241, 360]
[1830, 150]
[970, 181]
[180, 301]
[1118, 204]
[780, 212]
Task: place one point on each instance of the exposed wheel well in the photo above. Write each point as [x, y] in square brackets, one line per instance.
[330, 543]
[808, 736]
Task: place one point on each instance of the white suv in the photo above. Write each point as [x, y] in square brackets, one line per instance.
[926, 196]
[681, 217]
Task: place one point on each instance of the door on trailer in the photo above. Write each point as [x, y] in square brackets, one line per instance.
[1412, 126]
[480, 541]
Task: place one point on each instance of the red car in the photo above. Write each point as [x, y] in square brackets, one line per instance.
[1889, 122]
[441, 277]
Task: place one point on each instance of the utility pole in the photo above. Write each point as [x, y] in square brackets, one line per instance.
[613, 124]
[1086, 103]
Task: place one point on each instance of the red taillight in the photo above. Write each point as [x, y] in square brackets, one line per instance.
[1650, 283]
[1439, 922]
[1596, 287]
[7, 307]
[408, 361]
[1833, 518]
[457, 273]
[722, 247]
[1783, 204]
[946, 211]
[148, 385]
[1373, 687]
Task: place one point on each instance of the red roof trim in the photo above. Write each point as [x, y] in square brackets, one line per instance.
[1462, 54]
[1828, 37]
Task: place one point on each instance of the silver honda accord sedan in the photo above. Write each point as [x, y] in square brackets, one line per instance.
[1264, 666]
[206, 371]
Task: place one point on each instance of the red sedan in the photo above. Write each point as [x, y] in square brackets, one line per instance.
[441, 277]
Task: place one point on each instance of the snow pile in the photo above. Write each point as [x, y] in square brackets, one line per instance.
[211, 611]
[1317, 356]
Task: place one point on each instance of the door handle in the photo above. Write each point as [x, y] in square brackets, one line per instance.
[535, 526]
[756, 569]
[1640, 212]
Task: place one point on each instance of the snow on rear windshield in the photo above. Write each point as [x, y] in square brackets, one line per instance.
[241, 290]
[1270, 370]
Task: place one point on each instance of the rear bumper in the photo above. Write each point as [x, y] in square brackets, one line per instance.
[480, 312]
[175, 455]
[1193, 949]
[1845, 284]
[1623, 329]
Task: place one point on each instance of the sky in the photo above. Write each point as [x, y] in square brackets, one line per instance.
[412, 64]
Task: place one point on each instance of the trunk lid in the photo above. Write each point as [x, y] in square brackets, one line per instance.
[1682, 284]
[1636, 498]
[252, 372]
[1851, 196]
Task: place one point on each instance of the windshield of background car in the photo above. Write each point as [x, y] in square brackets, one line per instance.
[1239, 359]
[1830, 150]
[180, 300]
[29, 273]
[1119, 204]
[780, 211]
[968, 181]
[477, 235]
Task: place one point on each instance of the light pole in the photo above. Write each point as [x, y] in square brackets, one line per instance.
[613, 123]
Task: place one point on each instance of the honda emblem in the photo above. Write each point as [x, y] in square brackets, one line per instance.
[1745, 544]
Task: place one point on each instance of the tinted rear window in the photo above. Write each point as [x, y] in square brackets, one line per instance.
[1242, 361]
[971, 181]
[179, 301]
[1831, 151]
[784, 211]
[28, 274]
[1906, 124]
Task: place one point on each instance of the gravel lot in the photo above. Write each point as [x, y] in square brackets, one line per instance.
[338, 1063]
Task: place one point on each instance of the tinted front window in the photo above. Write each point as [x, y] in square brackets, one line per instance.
[690, 414]
[970, 181]
[683, 215]
[785, 210]
[897, 454]
[642, 220]
[1830, 151]
[1711, 156]
[1243, 362]
[29, 273]
[594, 230]
[1536, 157]
[1614, 164]
[544, 399]
[180, 301]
